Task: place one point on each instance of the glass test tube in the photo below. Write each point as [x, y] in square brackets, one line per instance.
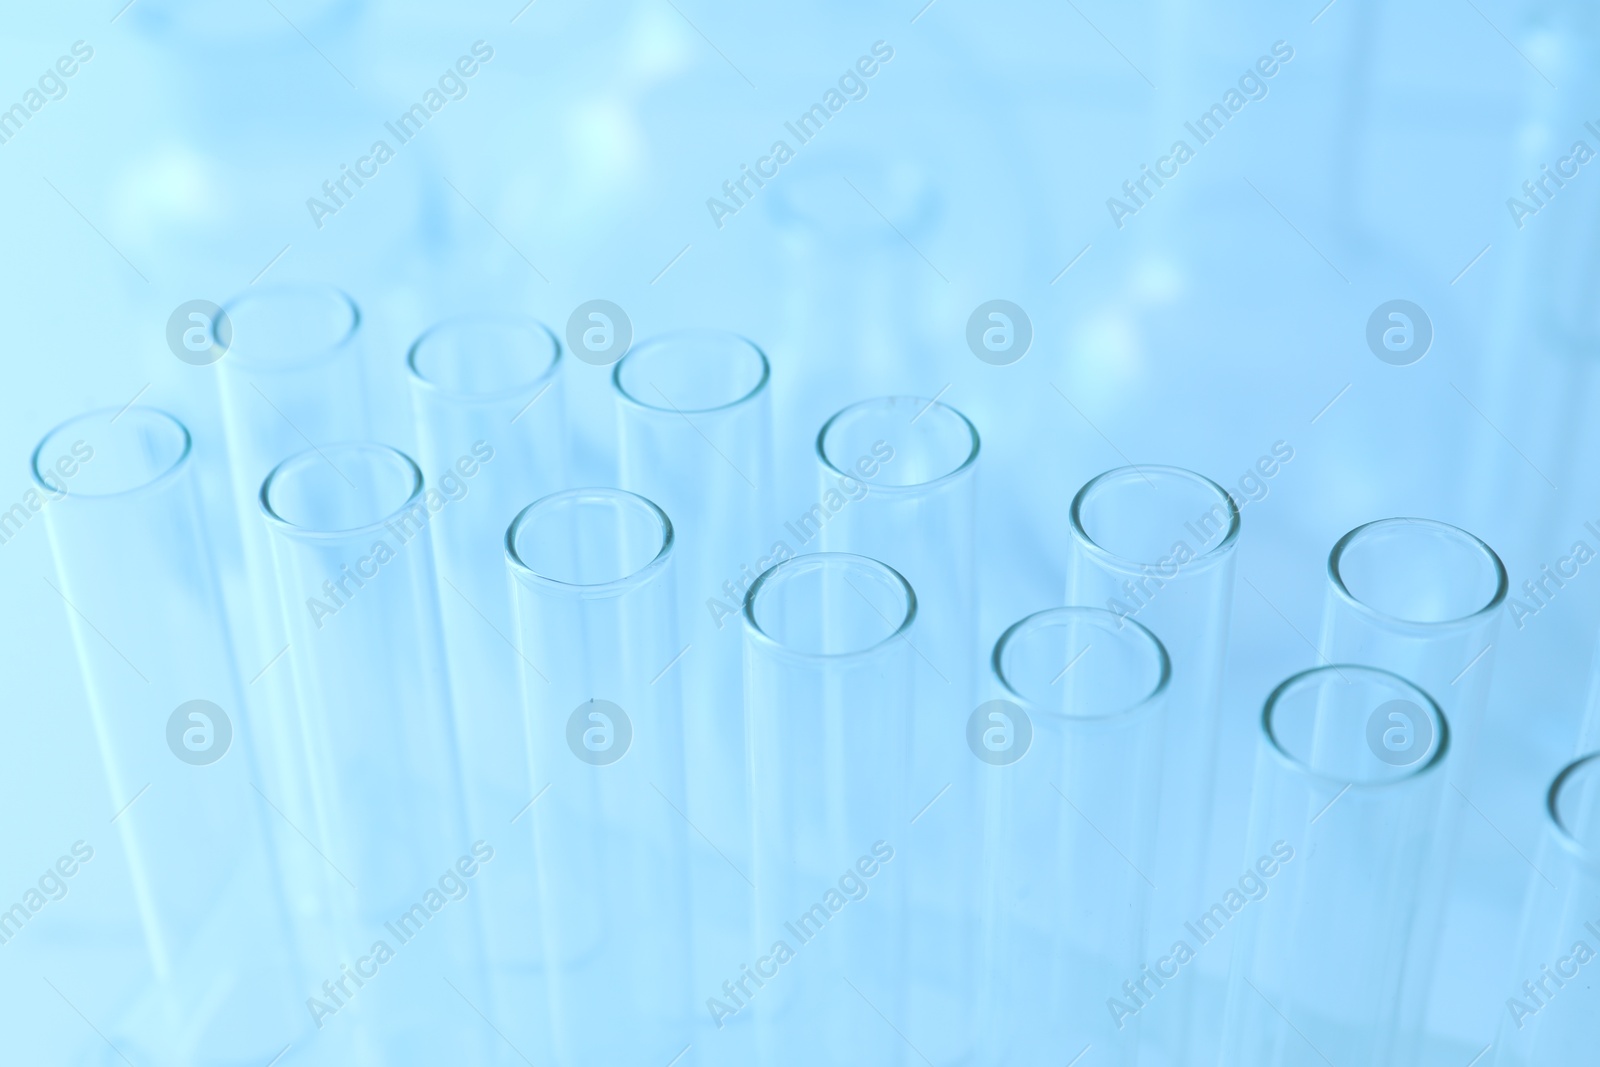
[1158, 544]
[1420, 598]
[695, 426]
[291, 378]
[593, 583]
[1349, 779]
[139, 587]
[486, 391]
[351, 527]
[1552, 1012]
[828, 671]
[898, 483]
[1072, 776]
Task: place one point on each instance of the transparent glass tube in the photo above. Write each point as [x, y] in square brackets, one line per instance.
[898, 483]
[351, 526]
[291, 378]
[828, 671]
[1550, 1009]
[1349, 780]
[1420, 598]
[1071, 762]
[486, 391]
[591, 570]
[139, 587]
[695, 436]
[1159, 545]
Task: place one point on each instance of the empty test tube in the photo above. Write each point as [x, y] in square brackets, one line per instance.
[1071, 759]
[828, 669]
[1349, 779]
[592, 575]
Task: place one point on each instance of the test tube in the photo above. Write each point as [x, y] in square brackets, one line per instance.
[1158, 545]
[695, 435]
[1551, 1011]
[1071, 756]
[1349, 777]
[1420, 598]
[591, 570]
[291, 378]
[898, 483]
[351, 527]
[828, 671]
[136, 579]
[486, 391]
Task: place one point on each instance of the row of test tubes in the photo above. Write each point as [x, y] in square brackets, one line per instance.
[683, 776]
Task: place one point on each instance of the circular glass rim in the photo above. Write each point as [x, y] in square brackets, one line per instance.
[319, 455]
[1299, 766]
[678, 335]
[915, 487]
[813, 561]
[1201, 561]
[1105, 620]
[1587, 856]
[422, 381]
[613, 587]
[172, 470]
[307, 359]
[1502, 582]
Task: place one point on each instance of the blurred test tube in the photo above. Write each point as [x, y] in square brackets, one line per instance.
[1072, 782]
[487, 394]
[1331, 882]
[591, 570]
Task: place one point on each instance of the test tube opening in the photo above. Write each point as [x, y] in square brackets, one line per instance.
[599, 542]
[1355, 726]
[829, 604]
[1574, 808]
[904, 441]
[485, 357]
[692, 372]
[108, 452]
[289, 326]
[341, 489]
[1417, 571]
[1081, 663]
[1154, 516]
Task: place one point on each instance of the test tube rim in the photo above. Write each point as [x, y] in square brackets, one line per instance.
[304, 533]
[330, 352]
[1202, 561]
[814, 559]
[599, 590]
[917, 487]
[1299, 767]
[674, 335]
[172, 471]
[1502, 586]
[1145, 705]
[508, 392]
[1587, 857]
